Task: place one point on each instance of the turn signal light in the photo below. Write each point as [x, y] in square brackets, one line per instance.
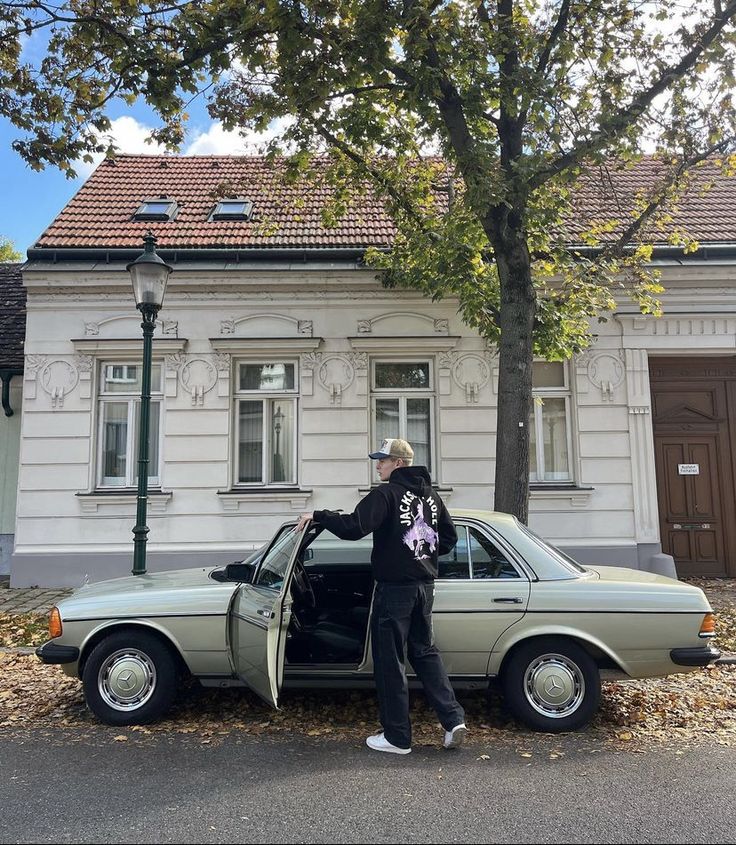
[708, 625]
[54, 623]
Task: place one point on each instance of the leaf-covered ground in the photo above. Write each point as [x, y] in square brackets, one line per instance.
[680, 710]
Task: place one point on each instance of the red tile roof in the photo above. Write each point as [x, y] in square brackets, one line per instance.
[101, 214]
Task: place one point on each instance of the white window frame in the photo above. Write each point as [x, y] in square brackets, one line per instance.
[267, 399]
[403, 394]
[542, 393]
[132, 398]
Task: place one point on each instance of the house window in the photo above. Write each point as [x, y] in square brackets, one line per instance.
[266, 409]
[550, 445]
[402, 405]
[119, 412]
[161, 208]
[232, 209]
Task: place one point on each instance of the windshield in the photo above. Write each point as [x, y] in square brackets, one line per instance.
[554, 551]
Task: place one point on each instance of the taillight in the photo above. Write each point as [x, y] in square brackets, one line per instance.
[54, 623]
[708, 625]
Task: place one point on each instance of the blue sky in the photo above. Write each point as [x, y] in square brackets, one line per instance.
[29, 200]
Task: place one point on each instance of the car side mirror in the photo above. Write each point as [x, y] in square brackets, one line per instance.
[308, 555]
[242, 572]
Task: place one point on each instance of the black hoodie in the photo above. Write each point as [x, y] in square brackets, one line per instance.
[410, 526]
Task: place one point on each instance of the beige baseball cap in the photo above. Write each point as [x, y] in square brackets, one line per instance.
[393, 447]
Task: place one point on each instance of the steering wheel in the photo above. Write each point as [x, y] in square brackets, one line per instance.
[303, 586]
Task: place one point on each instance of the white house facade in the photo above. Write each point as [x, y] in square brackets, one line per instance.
[276, 371]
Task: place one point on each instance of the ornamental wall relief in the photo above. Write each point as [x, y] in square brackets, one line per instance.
[58, 378]
[401, 324]
[471, 372]
[197, 374]
[266, 325]
[335, 374]
[607, 371]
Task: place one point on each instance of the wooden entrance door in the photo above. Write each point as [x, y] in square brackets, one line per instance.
[694, 418]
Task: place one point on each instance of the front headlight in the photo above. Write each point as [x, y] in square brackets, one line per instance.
[55, 627]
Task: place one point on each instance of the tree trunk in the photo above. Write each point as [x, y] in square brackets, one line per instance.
[516, 321]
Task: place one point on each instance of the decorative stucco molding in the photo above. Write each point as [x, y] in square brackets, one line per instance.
[266, 325]
[58, 378]
[403, 322]
[675, 332]
[471, 373]
[198, 376]
[335, 373]
[606, 371]
[641, 445]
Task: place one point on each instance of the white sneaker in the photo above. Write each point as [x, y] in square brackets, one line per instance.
[380, 743]
[455, 737]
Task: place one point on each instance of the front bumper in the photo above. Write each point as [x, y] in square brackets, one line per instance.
[701, 656]
[52, 652]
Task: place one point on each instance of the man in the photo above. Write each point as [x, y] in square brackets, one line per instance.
[411, 527]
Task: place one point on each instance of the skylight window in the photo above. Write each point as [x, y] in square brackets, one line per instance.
[232, 209]
[156, 209]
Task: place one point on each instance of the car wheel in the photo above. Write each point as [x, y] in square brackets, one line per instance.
[130, 678]
[552, 685]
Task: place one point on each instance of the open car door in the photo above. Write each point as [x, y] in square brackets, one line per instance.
[260, 614]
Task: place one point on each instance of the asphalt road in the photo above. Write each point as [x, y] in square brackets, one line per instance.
[64, 787]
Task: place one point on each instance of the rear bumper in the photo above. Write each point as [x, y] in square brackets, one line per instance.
[694, 656]
[51, 652]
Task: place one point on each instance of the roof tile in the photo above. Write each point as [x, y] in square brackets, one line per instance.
[101, 214]
[12, 317]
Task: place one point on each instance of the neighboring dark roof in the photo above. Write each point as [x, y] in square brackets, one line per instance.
[101, 215]
[12, 317]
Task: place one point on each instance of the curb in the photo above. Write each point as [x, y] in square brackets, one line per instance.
[726, 660]
[21, 649]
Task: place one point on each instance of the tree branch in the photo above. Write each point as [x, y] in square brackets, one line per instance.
[375, 174]
[618, 247]
[623, 118]
[557, 30]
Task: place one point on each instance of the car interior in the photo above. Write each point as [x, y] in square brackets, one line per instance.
[332, 589]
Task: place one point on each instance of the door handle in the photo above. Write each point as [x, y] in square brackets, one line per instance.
[267, 613]
[509, 600]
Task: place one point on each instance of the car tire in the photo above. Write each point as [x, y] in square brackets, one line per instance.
[552, 685]
[130, 678]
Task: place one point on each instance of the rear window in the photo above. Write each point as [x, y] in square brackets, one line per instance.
[563, 558]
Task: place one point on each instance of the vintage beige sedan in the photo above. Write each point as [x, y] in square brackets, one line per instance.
[508, 606]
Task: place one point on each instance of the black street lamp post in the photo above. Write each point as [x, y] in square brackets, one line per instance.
[149, 274]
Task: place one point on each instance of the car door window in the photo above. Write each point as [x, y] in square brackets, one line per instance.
[273, 567]
[488, 561]
[456, 564]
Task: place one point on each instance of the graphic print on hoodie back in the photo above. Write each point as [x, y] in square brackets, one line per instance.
[421, 538]
[410, 526]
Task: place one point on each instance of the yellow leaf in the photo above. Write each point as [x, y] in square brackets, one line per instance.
[626, 735]
[120, 738]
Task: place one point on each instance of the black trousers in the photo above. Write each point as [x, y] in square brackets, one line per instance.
[402, 623]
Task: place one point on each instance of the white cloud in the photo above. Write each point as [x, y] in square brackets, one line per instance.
[217, 141]
[129, 136]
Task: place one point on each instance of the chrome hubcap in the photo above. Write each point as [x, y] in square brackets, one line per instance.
[127, 679]
[554, 685]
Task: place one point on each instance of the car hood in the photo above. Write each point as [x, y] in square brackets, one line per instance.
[174, 591]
